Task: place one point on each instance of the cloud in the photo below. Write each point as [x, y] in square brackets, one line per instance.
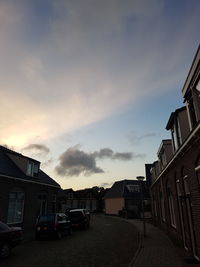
[57, 55]
[75, 161]
[135, 139]
[37, 149]
[123, 156]
[47, 162]
[109, 153]
[103, 153]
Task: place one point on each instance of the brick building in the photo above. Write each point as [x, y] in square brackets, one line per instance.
[175, 176]
[25, 190]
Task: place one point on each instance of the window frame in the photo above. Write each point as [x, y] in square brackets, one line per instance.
[14, 221]
[171, 206]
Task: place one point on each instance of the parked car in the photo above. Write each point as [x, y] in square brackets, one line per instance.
[79, 218]
[53, 225]
[9, 238]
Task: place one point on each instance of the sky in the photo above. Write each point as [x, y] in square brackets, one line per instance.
[87, 86]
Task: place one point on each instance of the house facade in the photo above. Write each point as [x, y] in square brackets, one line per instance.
[88, 198]
[125, 198]
[175, 176]
[25, 190]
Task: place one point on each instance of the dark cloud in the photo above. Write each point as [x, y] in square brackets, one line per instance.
[109, 153]
[103, 153]
[75, 161]
[123, 156]
[38, 148]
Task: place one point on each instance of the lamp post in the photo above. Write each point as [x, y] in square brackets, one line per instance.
[141, 178]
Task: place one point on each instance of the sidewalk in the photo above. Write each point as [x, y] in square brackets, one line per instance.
[156, 249]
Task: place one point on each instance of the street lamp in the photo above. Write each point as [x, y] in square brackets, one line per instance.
[141, 178]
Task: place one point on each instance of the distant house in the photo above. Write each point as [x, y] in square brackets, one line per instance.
[126, 195]
[87, 198]
[25, 190]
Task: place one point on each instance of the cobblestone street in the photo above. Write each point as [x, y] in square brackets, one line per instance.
[109, 242]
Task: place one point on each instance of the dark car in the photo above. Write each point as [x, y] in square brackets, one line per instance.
[53, 225]
[79, 218]
[9, 238]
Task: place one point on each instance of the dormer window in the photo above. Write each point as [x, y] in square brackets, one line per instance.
[176, 135]
[133, 188]
[193, 103]
[32, 168]
[192, 113]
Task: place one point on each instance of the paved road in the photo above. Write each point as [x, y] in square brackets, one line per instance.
[109, 242]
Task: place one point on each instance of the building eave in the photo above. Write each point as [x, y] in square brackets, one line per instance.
[28, 181]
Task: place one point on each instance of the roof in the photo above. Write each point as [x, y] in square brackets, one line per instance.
[120, 190]
[11, 170]
[172, 116]
[164, 142]
[8, 150]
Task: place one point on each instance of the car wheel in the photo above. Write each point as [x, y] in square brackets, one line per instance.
[37, 237]
[5, 251]
[59, 235]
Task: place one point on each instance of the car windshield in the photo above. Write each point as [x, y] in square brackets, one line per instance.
[46, 218]
[75, 214]
[3, 227]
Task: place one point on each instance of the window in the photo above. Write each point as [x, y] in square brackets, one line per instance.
[197, 170]
[32, 168]
[70, 195]
[193, 117]
[176, 134]
[54, 203]
[171, 206]
[42, 203]
[155, 206]
[133, 188]
[193, 103]
[162, 205]
[15, 206]
[186, 185]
